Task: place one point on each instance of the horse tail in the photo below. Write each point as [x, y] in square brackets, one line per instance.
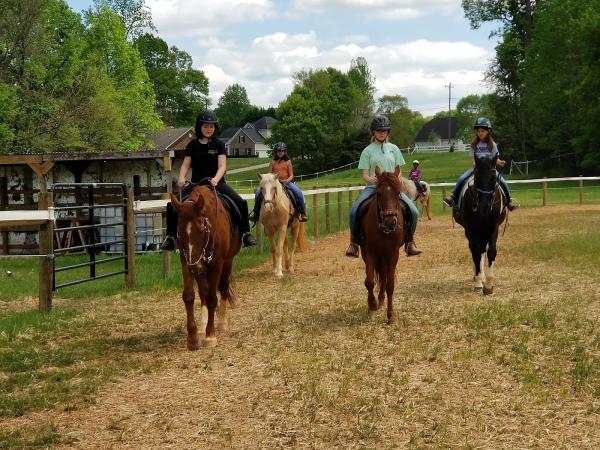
[301, 242]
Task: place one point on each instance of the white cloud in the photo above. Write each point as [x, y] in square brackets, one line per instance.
[356, 38]
[418, 70]
[203, 18]
[385, 9]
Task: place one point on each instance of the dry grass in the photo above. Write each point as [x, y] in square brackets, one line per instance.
[304, 366]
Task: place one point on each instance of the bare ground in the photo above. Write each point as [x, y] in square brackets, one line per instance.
[304, 366]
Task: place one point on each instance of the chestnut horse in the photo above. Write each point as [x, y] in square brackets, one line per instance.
[383, 233]
[482, 210]
[410, 189]
[207, 247]
[276, 216]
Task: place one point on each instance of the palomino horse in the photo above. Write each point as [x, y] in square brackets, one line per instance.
[482, 210]
[206, 249]
[410, 189]
[276, 216]
[383, 233]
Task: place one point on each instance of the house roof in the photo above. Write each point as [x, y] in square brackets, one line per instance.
[253, 134]
[168, 136]
[439, 126]
[264, 123]
[228, 133]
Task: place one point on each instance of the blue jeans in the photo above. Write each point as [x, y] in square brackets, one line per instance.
[368, 192]
[468, 173]
[295, 190]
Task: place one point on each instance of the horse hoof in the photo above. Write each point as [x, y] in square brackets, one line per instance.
[279, 274]
[209, 342]
[193, 345]
[487, 291]
[478, 289]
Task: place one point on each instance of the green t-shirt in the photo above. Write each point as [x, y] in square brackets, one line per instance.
[387, 160]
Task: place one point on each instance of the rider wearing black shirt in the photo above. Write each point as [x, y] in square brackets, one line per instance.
[206, 156]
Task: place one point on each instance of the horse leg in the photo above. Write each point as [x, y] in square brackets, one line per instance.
[477, 258]
[281, 241]
[188, 300]
[203, 290]
[488, 287]
[211, 302]
[286, 254]
[383, 274]
[271, 235]
[370, 283]
[389, 287]
[226, 296]
[295, 233]
[427, 200]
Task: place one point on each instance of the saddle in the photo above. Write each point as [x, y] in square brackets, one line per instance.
[466, 185]
[235, 216]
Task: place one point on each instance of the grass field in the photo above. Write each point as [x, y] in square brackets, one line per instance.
[304, 366]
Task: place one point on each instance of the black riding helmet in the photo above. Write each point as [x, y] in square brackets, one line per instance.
[482, 122]
[380, 123]
[206, 116]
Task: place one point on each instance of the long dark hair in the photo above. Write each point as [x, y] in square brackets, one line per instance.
[285, 157]
[489, 141]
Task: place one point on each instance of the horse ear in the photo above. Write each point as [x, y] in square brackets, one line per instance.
[377, 172]
[397, 171]
[259, 176]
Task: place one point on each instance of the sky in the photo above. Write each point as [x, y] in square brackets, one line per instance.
[414, 48]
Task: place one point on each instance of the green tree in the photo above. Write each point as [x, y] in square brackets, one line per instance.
[468, 109]
[136, 15]
[181, 91]
[233, 106]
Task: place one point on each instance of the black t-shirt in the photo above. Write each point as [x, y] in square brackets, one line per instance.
[205, 158]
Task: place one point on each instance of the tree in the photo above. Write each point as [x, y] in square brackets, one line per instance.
[389, 104]
[468, 109]
[181, 91]
[401, 116]
[136, 16]
[233, 106]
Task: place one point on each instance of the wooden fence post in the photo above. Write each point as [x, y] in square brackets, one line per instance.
[340, 209]
[316, 214]
[130, 275]
[166, 254]
[327, 214]
[545, 193]
[580, 189]
[45, 236]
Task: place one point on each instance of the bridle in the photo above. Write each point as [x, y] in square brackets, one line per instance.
[493, 192]
[207, 254]
[382, 214]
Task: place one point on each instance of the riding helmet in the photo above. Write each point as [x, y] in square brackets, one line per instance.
[482, 122]
[380, 123]
[280, 146]
[416, 161]
[206, 116]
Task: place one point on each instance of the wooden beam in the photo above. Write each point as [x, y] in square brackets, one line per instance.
[9, 219]
[41, 169]
[9, 160]
[45, 239]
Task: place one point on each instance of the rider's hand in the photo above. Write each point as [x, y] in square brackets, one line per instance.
[181, 182]
[500, 163]
[373, 180]
[213, 182]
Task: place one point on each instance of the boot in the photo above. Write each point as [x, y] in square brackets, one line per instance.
[248, 240]
[449, 201]
[411, 249]
[302, 216]
[168, 244]
[512, 205]
[352, 250]
[253, 216]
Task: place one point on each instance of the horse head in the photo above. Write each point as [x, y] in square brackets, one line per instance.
[485, 184]
[388, 199]
[271, 189]
[195, 234]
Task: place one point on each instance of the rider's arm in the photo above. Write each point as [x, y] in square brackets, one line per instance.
[369, 179]
[222, 167]
[185, 168]
[291, 171]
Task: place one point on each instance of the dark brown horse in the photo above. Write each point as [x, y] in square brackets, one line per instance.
[482, 210]
[207, 247]
[382, 229]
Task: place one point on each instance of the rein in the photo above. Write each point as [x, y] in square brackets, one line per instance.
[206, 258]
[382, 214]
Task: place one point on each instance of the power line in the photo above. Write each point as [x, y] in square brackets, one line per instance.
[449, 86]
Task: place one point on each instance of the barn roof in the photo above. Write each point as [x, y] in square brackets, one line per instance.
[439, 126]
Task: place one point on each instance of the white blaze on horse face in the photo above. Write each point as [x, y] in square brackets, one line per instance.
[188, 229]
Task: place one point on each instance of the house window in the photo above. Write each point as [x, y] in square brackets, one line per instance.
[248, 151]
[136, 186]
[237, 152]
[242, 139]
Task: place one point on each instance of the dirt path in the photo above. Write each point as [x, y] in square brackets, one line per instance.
[303, 366]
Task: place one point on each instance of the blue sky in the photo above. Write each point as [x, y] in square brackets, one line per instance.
[413, 47]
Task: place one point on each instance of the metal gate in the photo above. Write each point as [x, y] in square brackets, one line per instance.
[80, 215]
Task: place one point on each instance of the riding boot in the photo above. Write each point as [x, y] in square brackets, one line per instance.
[255, 213]
[512, 205]
[411, 248]
[449, 201]
[302, 214]
[169, 243]
[352, 250]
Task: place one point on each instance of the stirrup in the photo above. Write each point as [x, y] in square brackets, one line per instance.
[449, 202]
[253, 217]
[168, 244]
[248, 240]
[302, 217]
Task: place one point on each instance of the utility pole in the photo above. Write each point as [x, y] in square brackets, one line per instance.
[449, 86]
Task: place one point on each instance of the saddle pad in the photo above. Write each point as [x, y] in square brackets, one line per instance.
[468, 182]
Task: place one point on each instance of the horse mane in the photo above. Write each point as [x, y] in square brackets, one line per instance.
[198, 201]
[392, 180]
